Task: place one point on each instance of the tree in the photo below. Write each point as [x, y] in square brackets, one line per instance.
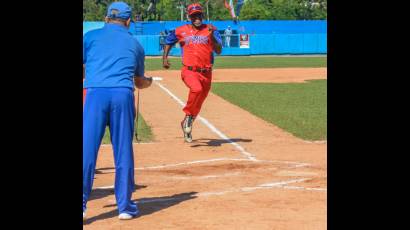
[257, 9]
[95, 10]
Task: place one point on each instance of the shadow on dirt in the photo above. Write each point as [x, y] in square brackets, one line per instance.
[105, 170]
[101, 193]
[147, 206]
[217, 142]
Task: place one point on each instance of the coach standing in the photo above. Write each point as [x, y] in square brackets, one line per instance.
[114, 64]
[228, 34]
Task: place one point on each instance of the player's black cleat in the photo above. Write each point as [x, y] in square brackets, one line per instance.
[188, 137]
[187, 124]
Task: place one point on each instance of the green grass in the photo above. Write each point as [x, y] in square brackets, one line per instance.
[223, 62]
[298, 108]
[144, 132]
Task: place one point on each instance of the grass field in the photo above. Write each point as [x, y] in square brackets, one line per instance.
[299, 108]
[144, 132]
[246, 62]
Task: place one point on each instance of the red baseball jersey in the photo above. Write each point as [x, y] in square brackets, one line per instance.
[196, 44]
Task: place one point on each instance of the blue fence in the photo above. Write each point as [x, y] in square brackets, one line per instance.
[265, 37]
[259, 44]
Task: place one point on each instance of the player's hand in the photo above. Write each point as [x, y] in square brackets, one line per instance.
[165, 63]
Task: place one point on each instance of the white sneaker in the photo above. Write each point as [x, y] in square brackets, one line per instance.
[125, 216]
[84, 216]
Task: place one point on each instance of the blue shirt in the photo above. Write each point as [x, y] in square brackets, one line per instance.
[112, 57]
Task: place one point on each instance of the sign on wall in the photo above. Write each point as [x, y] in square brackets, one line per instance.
[244, 41]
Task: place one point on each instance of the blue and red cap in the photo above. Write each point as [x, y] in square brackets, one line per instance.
[194, 9]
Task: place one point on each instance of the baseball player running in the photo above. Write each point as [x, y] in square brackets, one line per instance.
[198, 42]
[114, 65]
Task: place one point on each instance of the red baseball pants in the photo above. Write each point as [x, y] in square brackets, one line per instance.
[199, 85]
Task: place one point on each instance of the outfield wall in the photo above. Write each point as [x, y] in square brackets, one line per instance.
[259, 44]
[265, 37]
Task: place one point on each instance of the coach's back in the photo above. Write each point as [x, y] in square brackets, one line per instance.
[112, 57]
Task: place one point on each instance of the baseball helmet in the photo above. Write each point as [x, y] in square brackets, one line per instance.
[194, 8]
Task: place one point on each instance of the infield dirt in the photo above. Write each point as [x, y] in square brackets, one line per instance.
[211, 183]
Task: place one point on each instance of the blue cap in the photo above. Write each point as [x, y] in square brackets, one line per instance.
[119, 10]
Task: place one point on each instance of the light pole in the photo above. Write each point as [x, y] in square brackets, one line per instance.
[207, 10]
[181, 7]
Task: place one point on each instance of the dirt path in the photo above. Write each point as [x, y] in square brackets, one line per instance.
[252, 175]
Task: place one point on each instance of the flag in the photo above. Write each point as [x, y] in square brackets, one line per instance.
[230, 7]
[239, 7]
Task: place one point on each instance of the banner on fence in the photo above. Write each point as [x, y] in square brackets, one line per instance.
[244, 41]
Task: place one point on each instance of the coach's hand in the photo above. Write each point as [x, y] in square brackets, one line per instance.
[143, 82]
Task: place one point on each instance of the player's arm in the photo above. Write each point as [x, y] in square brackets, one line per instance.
[216, 40]
[170, 41]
